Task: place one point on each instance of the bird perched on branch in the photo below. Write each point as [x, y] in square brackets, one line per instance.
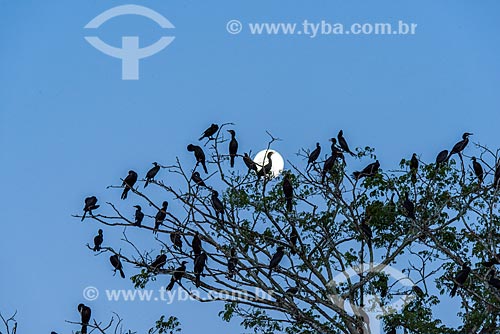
[368, 171]
[139, 215]
[313, 156]
[158, 263]
[117, 264]
[233, 146]
[441, 158]
[85, 313]
[128, 183]
[150, 175]
[492, 261]
[177, 275]
[199, 155]
[249, 163]
[98, 239]
[176, 239]
[492, 280]
[199, 266]
[196, 245]
[294, 236]
[232, 263]
[460, 279]
[328, 167]
[343, 143]
[217, 205]
[90, 204]
[336, 152]
[409, 207]
[478, 170]
[288, 192]
[267, 168]
[208, 133]
[496, 182]
[276, 259]
[160, 216]
[414, 168]
[460, 146]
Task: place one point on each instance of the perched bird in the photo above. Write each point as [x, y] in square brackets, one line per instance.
[288, 192]
[441, 158]
[249, 163]
[409, 206]
[129, 182]
[343, 143]
[160, 216]
[327, 167]
[176, 239]
[478, 170]
[150, 175]
[366, 230]
[368, 171]
[336, 152]
[85, 313]
[98, 239]
[177, 275]
[276, 259]
[313, 156]
[198, 180]
[196, 245]
[292, 290]
[233, 146]
[117, 264]
[139, 215]
[491, 262]
[232, 263]
[496, 182]
[199, 266]
[492, 280]
[158, 263]
[414, 168]
[460, 279]
[90, 204]
[419, 292]
[217, 205]
[199, 155]
[266, 169]
[460, 146]
[294, 236]
[208, 133]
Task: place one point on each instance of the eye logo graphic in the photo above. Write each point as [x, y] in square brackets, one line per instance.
[129, 53]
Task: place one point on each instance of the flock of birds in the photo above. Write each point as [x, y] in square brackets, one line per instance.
[339, 147]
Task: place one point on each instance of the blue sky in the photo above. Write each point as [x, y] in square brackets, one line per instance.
[70, 126]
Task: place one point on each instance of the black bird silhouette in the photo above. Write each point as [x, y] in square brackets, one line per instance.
[266, 169]
[313, 156]
[441, 158]
[492, 261]
[327, 167]
[460, 279]
[208, 133]
[249, 163]
[139, 215]
[294, 236]
[177, 275]
[292, 290]
[158, 263]
[288, 192]
[117, 264]
[478, 170]
[98, 239]
[276, 259]
[150, 175]
[196, 245]
[496, 182]
[160, 216]
[409, 206]
[217, 205]
[419, 292]
[414, 168]
[199, 266]
[492, 280]
[232, 263]
[199, 155]
[198, 180]
[368, 171]
[459, 147]
[336, 152]
[90, 204]
[128, 183]
[366, 231]
[233, 146]
[176, 239]
[343, 143]
[85, 313]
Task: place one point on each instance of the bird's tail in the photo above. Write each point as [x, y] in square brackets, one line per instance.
[197, 280]
[97, 248]
[232, 161]
[413, 177]
[146, 184]
[204, 167]
[125, 191]
[84, 214]
[84, 329]
[289, 205]
[350, 152]
[171, 284]
[453, 291]
[122, 274]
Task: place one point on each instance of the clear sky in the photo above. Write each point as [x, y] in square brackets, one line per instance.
[70, 126]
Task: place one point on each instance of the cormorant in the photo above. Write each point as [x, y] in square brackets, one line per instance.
[478, 170]
[369, 170]
[343, 143]
[496, 182]
[336, 152]
[158, 263]
[217, 205]
[441, 158]
[152, 173]
[492, 280]
[459, 147]
[90, 204]
[85, 313]
[276, 259]
[176, 239]
[409, 207]
[117, 264]
[160, 216]
[129, 182]
[232, 263]
[249, 162]
[367, 232]
[491, 262]
[233, 146]
[419, 292]
[208, 133]
[199, 266]
[288, 192]
[139, 215]
[294, 236]
[327, 167]
[177, 275]
[198, 180]
[196, 245]
[199, 155]
[313, 156]
[460, 279]
[266, 169]
[98, 239]
[414, 168]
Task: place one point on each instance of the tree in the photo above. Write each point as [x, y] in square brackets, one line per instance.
[427, 221]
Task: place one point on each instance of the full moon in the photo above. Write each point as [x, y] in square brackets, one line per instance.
[278, 163]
